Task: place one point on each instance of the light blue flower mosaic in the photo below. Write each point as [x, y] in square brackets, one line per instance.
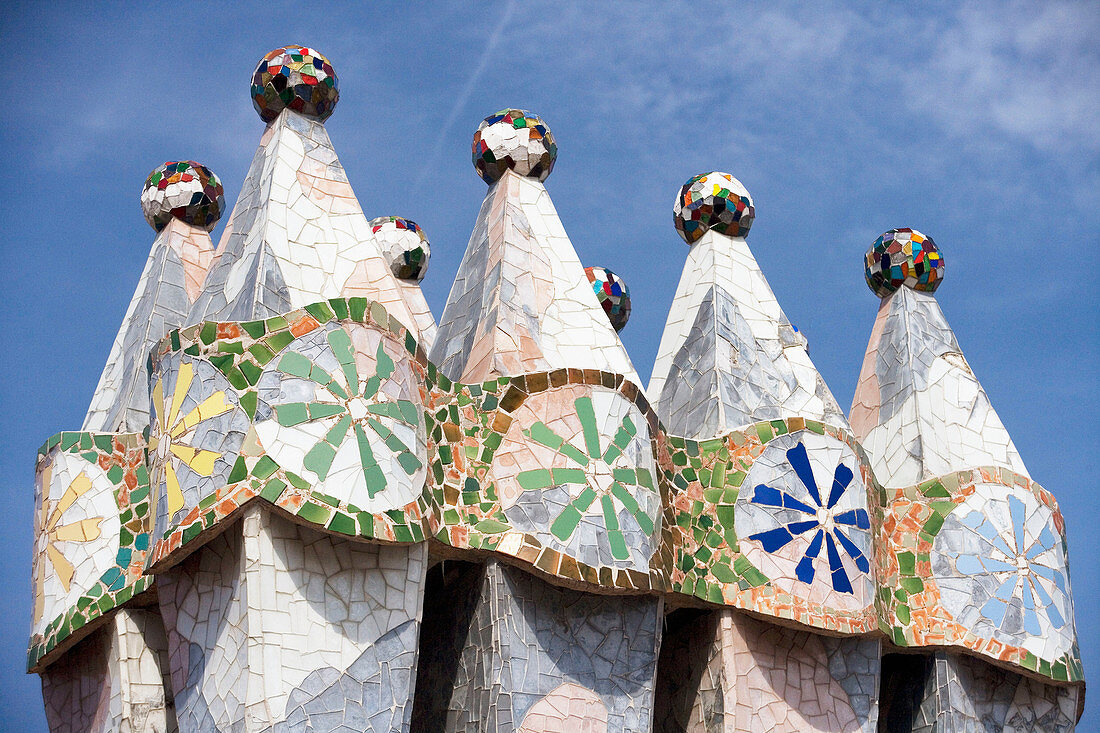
[1000, 567]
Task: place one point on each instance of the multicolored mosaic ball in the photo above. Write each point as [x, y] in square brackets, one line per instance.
[513, 139]
[298, 78]
[612, 293]
[903, 257]
[185, 190]
[715, 201]
[404, 246]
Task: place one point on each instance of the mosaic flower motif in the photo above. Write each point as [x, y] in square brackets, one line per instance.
[73, 532]
[805, 519]
[822, 520]
[342, 409]
[577, 464]
[1001, 570]
[170, 441]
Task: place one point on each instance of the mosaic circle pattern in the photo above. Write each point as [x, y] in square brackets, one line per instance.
[183, 189]
[903, 257]
[576, 469]
[297, 78]
[613, 294]
[76, 533]
[802, 519]
[404, 246]
[196, 431]
[715, 201]
[1000, 567]
[341, 409]
[513, 139]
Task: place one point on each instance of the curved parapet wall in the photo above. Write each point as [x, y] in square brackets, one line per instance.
[91, 534]
[779, 518]
[334, 414]
[312, 411]
[977, 559]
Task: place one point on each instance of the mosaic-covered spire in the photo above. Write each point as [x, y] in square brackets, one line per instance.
[521, 301]
[918, 408]
[182, 201]
[406, 251]
[729, 356]
[297, 234]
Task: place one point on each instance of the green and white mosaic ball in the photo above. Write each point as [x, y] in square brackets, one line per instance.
[404, 246]
[185, 190]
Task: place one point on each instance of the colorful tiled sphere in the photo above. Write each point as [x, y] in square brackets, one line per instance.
[715, 201]
[298, 78]
[185, 190]
[612, 293]
[513, 139]
[903, 257]
[404, 246]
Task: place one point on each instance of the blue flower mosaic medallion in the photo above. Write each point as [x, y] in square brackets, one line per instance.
[802, 519]
[1000, 567]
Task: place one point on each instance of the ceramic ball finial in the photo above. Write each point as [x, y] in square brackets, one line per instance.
[903, 257]
[404, 246]
[513, 139]
[185, 190]
[297, 78]
[612, 293]
[715, 201]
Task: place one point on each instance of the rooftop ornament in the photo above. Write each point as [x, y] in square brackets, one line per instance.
[903, 257]
[613, 294]
[297, 78]
[715, 201]
[513, 139]
[404, 246]
[186, 190]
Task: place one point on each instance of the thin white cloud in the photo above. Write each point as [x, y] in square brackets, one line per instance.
[1025, 72]
[464, 96]
[1031, 71]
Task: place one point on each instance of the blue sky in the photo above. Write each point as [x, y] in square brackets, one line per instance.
[976, 124]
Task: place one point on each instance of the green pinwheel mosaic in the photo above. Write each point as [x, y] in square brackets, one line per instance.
[341, 408]
[589, 469]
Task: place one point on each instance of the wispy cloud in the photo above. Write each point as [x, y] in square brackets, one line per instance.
[1031, 71]
[1024, 71]
[464, 96]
